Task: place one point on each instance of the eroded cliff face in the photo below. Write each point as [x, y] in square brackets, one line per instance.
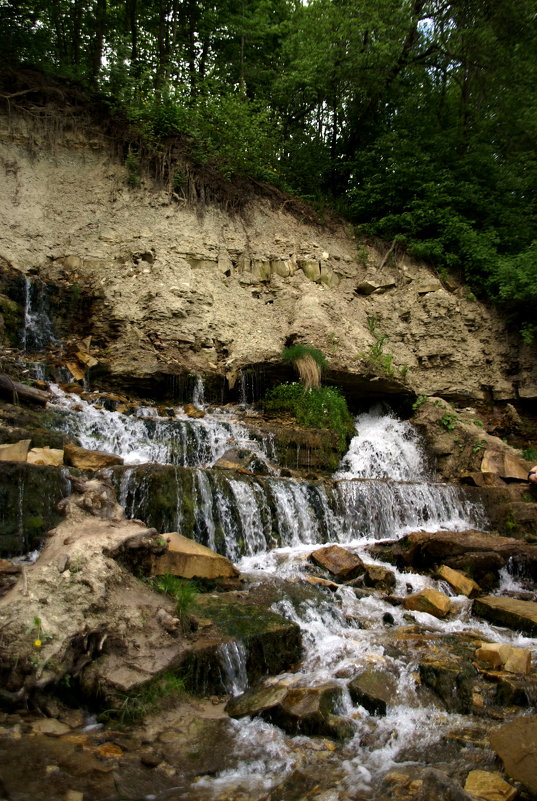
[181, 288]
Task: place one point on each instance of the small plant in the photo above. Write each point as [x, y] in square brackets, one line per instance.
[323, 407]
[420, 400]
[183, 591]
[146, 699]
[530, 453]
[308, 361]
[478, 446]
[375, 355]
[448, 421]
[132, 163]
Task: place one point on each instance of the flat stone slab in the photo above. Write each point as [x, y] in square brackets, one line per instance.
[519, 615]
[189, 559]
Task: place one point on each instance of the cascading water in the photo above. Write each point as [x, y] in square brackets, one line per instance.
[269, 525]
[37, 333]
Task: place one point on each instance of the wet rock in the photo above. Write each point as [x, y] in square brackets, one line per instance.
[341, 563]
[89, 460]
[453, 682]
[297, 710]
[510, 612]
[379, 577]
[458, 581]
[514, 690]
[489, 786]
[32, 493]
[430, 601]
[95, 497]
[473, 552]
[241, 459]
[374, 689]
[189, 559]
[192, 411]
[422, 784]
[516, 745]
[50, 726]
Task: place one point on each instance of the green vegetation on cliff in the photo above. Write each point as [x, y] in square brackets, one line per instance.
[415, 119]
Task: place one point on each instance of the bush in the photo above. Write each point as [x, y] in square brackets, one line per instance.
[321, 407]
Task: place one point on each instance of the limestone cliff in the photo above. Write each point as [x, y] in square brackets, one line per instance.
[178, 287]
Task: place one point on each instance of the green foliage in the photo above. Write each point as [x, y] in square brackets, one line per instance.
[448, 421]
[530, 453]
[183, 591]
[375, 356]
[296, 352]
[146, 699]
[322, 407]
[420, 400]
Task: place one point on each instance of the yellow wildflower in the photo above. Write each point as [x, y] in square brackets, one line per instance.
[37, 643]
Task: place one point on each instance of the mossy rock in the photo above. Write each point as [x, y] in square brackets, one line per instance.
[29, 495]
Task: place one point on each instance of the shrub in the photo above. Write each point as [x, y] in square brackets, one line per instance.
[320, 407]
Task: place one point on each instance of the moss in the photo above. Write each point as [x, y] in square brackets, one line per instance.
[29, 495]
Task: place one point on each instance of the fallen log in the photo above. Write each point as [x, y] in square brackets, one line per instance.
[15, 392]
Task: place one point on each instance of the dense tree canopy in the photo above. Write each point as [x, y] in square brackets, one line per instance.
[415, 118]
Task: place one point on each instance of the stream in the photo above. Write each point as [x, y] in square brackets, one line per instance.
[268, 525]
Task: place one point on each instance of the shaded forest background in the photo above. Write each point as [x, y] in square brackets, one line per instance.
[415, 119]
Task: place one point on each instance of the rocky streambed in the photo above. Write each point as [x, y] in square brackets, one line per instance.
[362, 637]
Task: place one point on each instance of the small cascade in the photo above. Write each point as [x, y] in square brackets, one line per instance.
[384, 447]
[198, 395]
[37, 333]
[232, 658]
[145, 436]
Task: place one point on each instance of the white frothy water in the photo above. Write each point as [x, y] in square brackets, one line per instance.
[384, 447]
[145, 436]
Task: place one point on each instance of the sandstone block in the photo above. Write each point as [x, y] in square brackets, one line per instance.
[518, 660]
[311, 269]
[430, 601]
[89, 460]
[15, 452]
[492, 654]
[489, 786]
[520, 615]
[49, 456]
[458, 581]
[188, 559]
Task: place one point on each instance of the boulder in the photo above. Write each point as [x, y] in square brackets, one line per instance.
[430, 601]
[458, 581]
[510, 612]
[516, 745]
[84, 459]
[502, 655]
[297, 710]
[489, 786]
[188, 559]
[15, 452]
[504, 464]
[373, 689]
[341, 563]
[379, 577]
[46, 456]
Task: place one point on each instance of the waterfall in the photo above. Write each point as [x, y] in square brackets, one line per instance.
[37, 333]
[384, 447]
[232, 658]
[144, 436]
